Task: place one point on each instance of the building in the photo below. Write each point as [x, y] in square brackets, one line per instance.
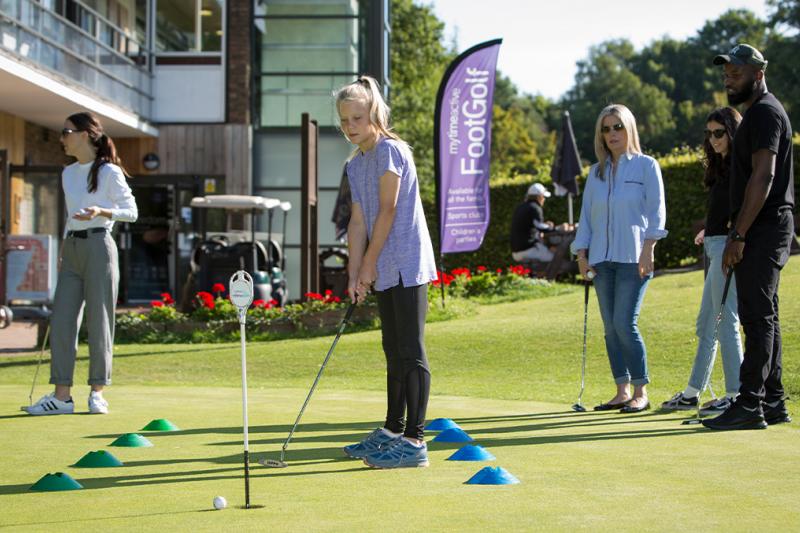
[200, 96]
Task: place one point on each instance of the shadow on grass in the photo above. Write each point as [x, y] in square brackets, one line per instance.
[20, 361]
[104, 518]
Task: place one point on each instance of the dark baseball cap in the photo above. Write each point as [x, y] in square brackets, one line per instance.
[742, 54]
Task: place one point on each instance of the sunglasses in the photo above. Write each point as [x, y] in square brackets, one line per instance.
[718, 133]
[616, 127]
[67, 131]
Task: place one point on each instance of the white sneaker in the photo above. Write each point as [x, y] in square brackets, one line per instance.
[97, 404]
[50, 405]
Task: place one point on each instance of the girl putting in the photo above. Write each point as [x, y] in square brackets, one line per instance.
[391, 252]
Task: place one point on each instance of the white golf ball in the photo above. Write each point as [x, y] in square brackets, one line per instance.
[220, 503]
[590, 275]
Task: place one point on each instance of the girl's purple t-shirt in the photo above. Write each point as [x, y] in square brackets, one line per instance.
[407, 253]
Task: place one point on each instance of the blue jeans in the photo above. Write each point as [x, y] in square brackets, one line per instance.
[620, 292]
[729, 339]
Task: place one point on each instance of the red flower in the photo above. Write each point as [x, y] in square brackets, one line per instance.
[499, 270]
[166, 298]
[461, 271]
[481, 268]
[218, 287]
[313, 296]
[156, 303]
[259, 303]
[206, 299]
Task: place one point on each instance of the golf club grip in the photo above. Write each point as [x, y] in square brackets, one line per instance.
[728, 278]
[349, 312]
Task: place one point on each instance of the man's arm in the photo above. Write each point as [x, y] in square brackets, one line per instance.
[755, 195]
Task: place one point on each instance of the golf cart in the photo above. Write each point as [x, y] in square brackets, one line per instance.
[218, 255]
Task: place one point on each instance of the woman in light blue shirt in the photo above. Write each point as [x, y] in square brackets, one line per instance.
[622, 217]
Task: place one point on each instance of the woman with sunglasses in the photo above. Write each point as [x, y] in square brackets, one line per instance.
[622, 217]
[721, 126]
[97, 195]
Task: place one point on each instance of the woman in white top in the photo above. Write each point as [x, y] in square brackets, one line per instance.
[97, 195]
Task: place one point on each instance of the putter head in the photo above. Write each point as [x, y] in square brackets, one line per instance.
[691, 422]
[578, 408]
[272, 463]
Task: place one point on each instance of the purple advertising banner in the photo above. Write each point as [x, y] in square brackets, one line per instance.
[463, 141]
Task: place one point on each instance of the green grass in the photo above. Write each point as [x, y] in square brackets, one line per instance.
[508, 373]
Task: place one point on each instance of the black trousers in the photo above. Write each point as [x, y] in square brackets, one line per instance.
[408, 378]
[766, 251]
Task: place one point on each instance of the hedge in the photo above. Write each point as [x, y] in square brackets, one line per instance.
[686, 200]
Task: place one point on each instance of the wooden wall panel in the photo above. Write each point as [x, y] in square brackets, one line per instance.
[12, 137]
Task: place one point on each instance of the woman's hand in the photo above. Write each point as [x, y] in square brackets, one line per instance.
[700, 237]
[88, 213]
[584, 268]
[646, 261]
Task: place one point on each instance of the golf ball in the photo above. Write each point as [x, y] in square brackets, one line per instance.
[220, 503]
[590, 275]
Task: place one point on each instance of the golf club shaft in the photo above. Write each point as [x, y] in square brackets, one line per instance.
[39, 363]
[585, 322]
[319, 374]
[717, 322]
[244, 417]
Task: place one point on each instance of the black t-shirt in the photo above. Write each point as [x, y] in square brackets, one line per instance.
[764, 125]
[523, 233]
[718, 210]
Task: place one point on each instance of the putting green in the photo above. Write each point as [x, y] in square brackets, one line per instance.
[595, 471]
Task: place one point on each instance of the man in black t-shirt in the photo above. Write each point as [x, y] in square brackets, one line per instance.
[762, 227]
[527, 226]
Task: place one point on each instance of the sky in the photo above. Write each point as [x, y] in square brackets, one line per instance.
[543, 39]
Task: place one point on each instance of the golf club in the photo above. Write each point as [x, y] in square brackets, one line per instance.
[697, 420]
[281, 463]
[241, 294]
[38, 365]
[578, 407]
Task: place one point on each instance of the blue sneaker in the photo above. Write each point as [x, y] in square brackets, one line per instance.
[400, 454]
[374, 442]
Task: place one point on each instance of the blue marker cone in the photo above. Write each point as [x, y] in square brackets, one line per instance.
[453, 435]
[472, 453]
[440, 424]
[492, 476]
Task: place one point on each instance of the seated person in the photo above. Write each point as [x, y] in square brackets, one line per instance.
[528, 227]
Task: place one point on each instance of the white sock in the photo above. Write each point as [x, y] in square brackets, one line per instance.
[413, 443]
[393, 435]
[690, 392]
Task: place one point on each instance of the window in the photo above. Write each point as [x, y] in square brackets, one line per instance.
[189, 25]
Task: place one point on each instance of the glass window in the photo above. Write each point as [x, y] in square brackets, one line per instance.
[189, 25]
[175, 26]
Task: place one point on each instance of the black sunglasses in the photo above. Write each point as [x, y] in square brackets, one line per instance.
[616, 127]
[67, 131]
[718, 133]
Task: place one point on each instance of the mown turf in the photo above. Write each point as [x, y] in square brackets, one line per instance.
[508, 375]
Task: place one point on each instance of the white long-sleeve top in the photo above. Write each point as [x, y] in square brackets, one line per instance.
[112, 193]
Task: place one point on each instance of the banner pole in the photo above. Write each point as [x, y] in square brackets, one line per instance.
[441, 281]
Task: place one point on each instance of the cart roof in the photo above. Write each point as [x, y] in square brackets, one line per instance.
[235, 202]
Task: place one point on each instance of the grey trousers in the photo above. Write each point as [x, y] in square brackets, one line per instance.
[89, 274]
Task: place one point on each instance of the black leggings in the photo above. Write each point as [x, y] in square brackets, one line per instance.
[408, 378]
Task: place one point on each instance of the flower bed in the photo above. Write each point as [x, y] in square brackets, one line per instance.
[214, 318]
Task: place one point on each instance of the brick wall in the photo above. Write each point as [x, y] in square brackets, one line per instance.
[238, 61]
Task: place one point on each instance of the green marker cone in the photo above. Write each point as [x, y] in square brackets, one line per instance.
[160, 424]
[56, 482]
[98, 459]
[132, 440]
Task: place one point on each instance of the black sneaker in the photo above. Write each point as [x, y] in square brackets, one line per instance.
[737, 416]
[776, 413]
[679, 402]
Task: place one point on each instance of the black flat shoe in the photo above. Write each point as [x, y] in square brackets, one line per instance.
[609, 406]
[630, 409]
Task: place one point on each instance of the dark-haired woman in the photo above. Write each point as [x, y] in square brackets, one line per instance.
[97, 195]
[721, 125]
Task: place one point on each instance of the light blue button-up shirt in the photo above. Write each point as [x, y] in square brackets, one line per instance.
[407, 253]
[621, 211]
